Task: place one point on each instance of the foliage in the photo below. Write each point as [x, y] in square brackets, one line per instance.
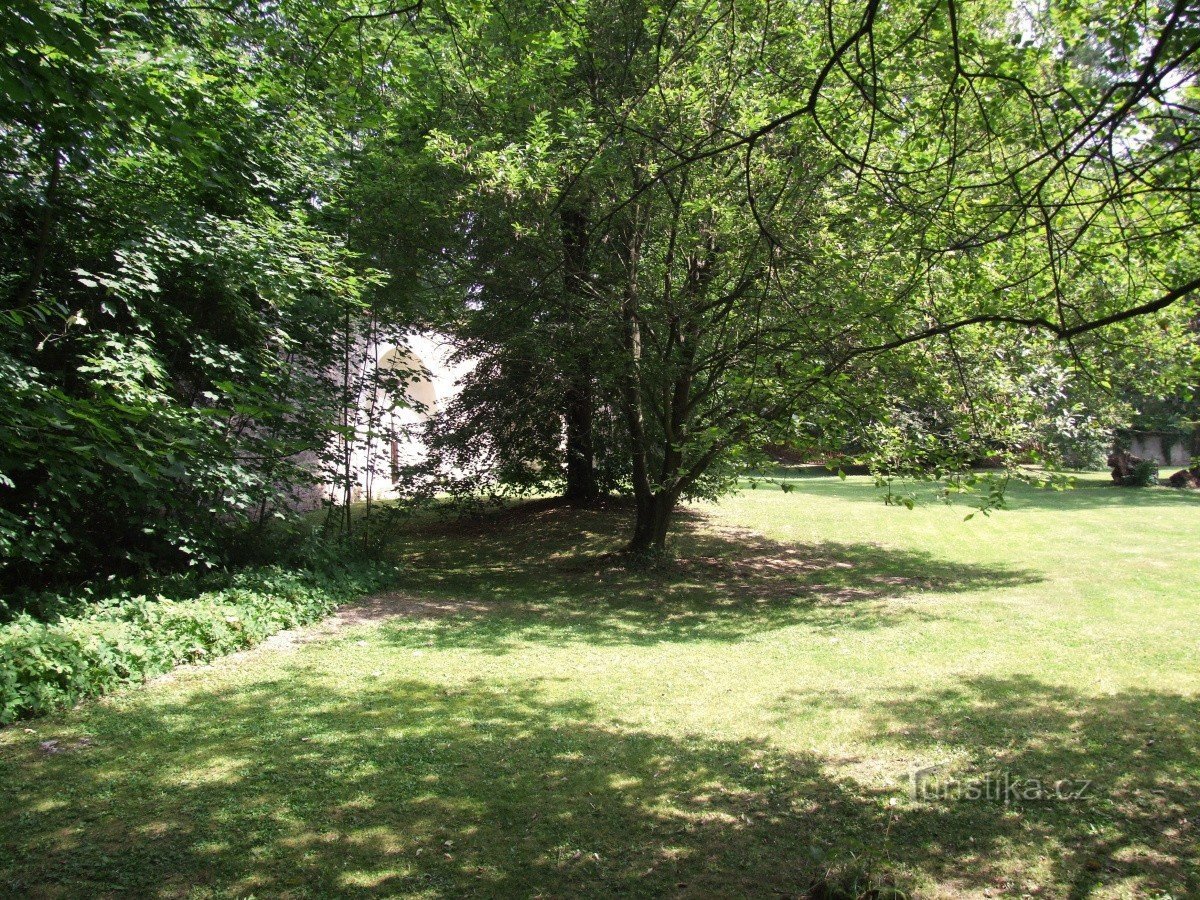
[934, 233]
[170, 294]
[1143, 474]
[739, 224]
[91, 648]
[1174, 413]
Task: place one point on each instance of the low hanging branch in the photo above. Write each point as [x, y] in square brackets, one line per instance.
[1059, 331]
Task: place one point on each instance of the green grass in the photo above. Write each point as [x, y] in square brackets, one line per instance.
[542, 721]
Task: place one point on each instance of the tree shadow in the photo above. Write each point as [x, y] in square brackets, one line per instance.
[1102, 494]
[293, 787]
[1089, 492]
[289, 788]
[1132, 755]
[549, 572]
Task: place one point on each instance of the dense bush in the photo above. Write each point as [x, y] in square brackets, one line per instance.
[1144, 474]
[172, 289]
[93, 647]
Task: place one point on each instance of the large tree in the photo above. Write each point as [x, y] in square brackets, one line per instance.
[792, 210]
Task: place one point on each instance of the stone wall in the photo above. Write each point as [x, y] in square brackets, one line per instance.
[1163, 447]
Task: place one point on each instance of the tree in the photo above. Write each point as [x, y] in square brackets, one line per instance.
[668, 233]
[795, 200]
[170, 294]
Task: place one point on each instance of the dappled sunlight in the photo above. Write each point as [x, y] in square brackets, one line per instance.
[542, 718]
[509, 793]
[481, 785]
[536, 572]
[1121, 771]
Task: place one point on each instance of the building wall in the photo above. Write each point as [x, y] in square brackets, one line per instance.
[437, 382]
[1166, 449]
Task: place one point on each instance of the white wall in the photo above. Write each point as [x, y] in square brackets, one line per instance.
[1173, 451]
[430, 353]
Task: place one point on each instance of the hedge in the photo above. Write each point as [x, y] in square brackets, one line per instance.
[49, 665]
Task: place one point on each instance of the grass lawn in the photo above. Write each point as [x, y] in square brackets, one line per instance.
[525, 717]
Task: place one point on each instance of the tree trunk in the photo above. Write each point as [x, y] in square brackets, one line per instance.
[581, 468]
[650, 527]
[654, 507]
[579, 399]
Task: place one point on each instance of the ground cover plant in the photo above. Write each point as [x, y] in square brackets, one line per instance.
[86, 648]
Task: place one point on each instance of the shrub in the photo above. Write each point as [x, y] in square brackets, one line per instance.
[1143, 474]
[48, 665]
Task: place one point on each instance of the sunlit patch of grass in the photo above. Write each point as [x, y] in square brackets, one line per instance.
[527, 715]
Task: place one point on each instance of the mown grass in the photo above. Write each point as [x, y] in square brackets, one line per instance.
[540, 720]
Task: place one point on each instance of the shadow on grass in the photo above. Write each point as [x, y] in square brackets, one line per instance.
[1133, 754]
[292, 787]
[1089, 492]
[542, 571]
[1102, 494]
